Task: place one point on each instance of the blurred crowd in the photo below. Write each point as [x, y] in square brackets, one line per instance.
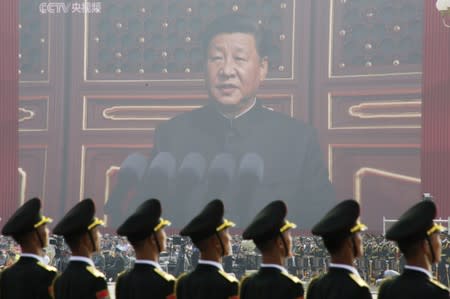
[310, 258]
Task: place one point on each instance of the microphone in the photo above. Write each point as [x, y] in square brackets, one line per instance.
[157, 180]
[130, 173]
[189, 187]
[251, 171]
[220, 175]
[190, 173]
[249, 178]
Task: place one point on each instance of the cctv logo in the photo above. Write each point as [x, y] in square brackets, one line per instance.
[54, 7]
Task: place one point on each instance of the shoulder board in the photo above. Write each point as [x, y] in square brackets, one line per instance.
[164, 275]
[386, 280]
[178, 280]
[316, 277]
[292, 277]
[95, 272]
[246, 276]
[47, 267]
[182, 275]
[438, 284]
[359, 281]
[229, 277]
[121, 273]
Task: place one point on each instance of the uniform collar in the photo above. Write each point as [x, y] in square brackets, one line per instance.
[419, 269]
[148, 262]
[76, 258]
[34, 256]
[281, 268]
[240, 126]
[346, 267]
[242, 113]
[211, 263]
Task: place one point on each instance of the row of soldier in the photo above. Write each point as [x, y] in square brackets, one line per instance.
[415, 233]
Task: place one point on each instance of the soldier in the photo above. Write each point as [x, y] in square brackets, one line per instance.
[29, 277]
[340, 230]
[145, 231]
[81, 279]
[209, 233]
[271, 233]
[418, 238]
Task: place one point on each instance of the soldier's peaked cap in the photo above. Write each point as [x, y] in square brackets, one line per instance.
[26, 218]
[144, 221]
[208, 222]
[268, 223]
[341, 220]
[416, 223]
[81, 218]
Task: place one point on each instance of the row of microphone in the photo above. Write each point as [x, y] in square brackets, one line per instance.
[194, 182]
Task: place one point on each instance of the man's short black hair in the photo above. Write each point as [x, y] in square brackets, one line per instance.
[236, 23]
[265, 245]
[334, 243]
[409, 248]
[74, 240]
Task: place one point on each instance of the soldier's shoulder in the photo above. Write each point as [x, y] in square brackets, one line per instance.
[95, 272]
[229, 277]
[183, 276]
[7, 268]
[439, 285]
[166, 276]
[358, 280]
[316, 278]
[386, 282]
[313, 284]
[179, 282]
[292, 278]
[47, 267]
[122, 274]
[247, 277]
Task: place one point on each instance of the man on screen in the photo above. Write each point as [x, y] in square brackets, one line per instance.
[289, 163]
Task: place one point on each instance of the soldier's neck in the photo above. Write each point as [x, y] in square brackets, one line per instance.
[145, 254]
[273, 259]
[420, 261]
[342, 259]
[211, 256]
[32, 250]
[81, 251]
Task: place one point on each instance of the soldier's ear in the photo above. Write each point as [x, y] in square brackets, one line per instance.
[280, 244]
[153, 239]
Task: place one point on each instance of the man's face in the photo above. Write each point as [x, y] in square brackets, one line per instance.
[234, 69]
